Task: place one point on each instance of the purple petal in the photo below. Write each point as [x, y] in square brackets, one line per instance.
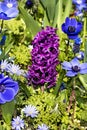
[71, 73]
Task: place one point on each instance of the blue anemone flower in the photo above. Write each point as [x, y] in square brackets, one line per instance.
[74, 67]
[8, 89]
[8, 9]
[72, 27]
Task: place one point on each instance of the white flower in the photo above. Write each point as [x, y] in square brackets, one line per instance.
[4, 65]
[15, 69]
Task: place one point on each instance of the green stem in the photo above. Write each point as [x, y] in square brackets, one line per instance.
[2, 23]
[72, 101]
[85, 39]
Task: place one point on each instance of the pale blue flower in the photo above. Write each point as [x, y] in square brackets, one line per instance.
[43, 127]
[4, 65]
[15, 69]
[31, 111]
[17, 123]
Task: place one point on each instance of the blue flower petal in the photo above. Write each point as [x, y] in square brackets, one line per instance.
[64, 28]
[83, 71]
[8, 94]
[83, 66]
[11, 13]
[3, 7]
[75, 62]
[71, 73]
[67, 21]
[74, 22]
[66, 65]
[79, 28]
[2, 101]
[3, 16]
[72, 36]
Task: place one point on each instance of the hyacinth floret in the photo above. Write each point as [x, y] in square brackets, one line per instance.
[44, 58]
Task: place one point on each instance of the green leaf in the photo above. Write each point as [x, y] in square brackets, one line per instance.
[50, 8]
[7, 111]
[43, 3]
[83, 80]
[85, 39]
[60, 79]
[46, 22]
[67, 10]
[31, 24]
[56, 15]
[60, 12]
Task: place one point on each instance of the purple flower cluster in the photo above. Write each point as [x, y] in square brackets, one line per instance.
[44, 58]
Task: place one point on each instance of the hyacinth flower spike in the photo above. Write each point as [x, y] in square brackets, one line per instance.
[74, 67]
[44, 58]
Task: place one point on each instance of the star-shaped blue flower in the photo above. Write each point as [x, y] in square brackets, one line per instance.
[74, 67]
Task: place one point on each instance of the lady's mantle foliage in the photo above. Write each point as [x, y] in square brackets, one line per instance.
[8, 9]
[72, 27]
[74, 67]
[8, 89]
[44, 58]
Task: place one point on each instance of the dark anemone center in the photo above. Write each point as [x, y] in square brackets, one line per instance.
[71, 29]
[2, 88]
[76, 68]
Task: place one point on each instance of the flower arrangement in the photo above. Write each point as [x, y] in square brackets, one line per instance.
[43, 65]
